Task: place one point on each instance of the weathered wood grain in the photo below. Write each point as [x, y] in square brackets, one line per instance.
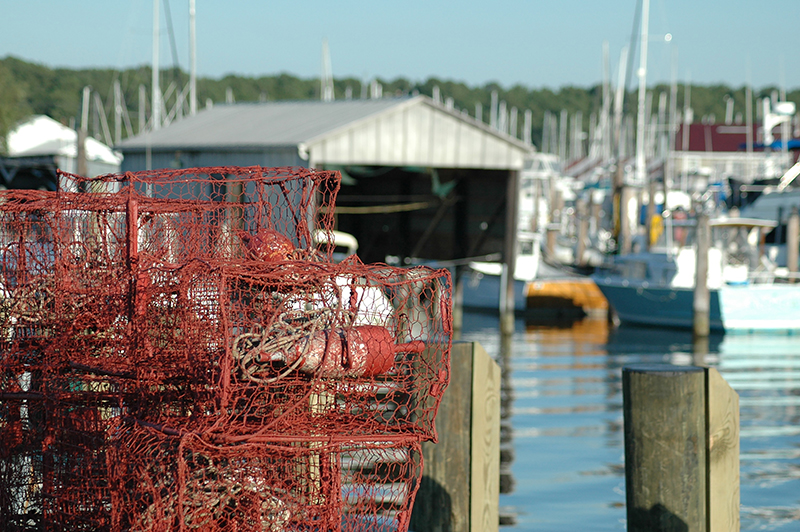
[723, 454]
[461, 479]
[665, 448]
[485, 484]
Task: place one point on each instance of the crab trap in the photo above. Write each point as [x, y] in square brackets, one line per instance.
[179, 352]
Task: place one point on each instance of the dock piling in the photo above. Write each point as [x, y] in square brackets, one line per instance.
[681, 449]
[461, 481]
[702, 298]
[792, 242]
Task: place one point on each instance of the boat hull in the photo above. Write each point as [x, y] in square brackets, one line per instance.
[572, 297]
[482, 292]
[767, 308]
[637, 304]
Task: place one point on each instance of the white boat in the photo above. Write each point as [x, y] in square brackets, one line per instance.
[482, 287]
[776, 204]
[746, 294]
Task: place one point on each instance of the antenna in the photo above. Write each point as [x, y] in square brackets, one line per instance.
[326, 82]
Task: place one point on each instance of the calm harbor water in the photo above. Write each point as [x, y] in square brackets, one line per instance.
[562, 454]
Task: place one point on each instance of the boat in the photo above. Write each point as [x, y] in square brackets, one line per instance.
[340, 244]
[747, 292]
[542, 284]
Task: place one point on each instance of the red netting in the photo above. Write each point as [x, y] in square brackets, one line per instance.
[207, 367]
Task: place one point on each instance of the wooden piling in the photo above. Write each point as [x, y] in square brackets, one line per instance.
[792, 242]
[651, 210]
[702, 298]
[461, 481]
[625, 237]
[507, 298]
[681, 429]
[582, 212]
[723, 454]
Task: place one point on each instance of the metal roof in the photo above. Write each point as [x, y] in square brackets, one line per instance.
[384, 132]
[285, 123]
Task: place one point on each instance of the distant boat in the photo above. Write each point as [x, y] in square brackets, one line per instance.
[540, 284]
[656, 288]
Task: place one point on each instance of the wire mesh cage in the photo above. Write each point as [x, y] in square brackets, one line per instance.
[179, 354]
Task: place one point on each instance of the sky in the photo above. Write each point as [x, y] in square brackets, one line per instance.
[533, 43]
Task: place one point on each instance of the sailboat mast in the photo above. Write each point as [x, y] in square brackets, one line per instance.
[192, 60]
[326, 80]
[641, 165]
[156, 90]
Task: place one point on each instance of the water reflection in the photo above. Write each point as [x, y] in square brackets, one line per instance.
[506, 431]
[562, 454]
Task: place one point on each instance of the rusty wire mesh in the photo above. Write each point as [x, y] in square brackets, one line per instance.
[208, 367]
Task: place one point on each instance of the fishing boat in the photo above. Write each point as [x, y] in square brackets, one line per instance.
[747, 293]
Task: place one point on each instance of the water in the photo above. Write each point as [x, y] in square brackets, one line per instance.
[562, 453]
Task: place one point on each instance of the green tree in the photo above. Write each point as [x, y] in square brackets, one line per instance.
[13, 107]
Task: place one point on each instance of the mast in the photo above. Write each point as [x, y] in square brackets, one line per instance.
[83, 132]
[748, 103]
[673, 118]
[117, 112]
[156, 89]
[641, 164]
[192, 60]
[620, 208]
[606, 112]
[326, 82]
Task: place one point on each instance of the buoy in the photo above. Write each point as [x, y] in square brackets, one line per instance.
[360, 351]
[267, 245]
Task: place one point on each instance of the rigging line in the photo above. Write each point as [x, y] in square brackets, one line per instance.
[380, 209]
[633, 47]
[171, 32]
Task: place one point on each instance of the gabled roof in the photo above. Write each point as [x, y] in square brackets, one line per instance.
[41, 135]
[396, 131]
[285, 123]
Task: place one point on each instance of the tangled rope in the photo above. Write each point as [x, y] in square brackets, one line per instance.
[289, 329]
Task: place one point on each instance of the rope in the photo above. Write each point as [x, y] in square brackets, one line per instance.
[282, 336]
[381, 209]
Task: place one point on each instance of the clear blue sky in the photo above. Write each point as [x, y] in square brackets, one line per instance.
[535, 43]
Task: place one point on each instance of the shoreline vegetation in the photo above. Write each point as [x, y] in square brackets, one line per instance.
[28, 89]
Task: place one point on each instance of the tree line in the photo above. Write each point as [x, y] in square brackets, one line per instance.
[27, 89]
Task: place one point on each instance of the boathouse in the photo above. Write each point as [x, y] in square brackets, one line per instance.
[40, 146]
[421, 180]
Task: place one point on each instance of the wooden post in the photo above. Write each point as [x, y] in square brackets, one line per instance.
[510, 252]
[651, 209]
[792, 241]
[537, 192]
[596, 210]
[723, 453]
[458, 301]
[552, 233]
[681, 449]
[583, 231]
[779, 227]
[82, 168]
[702, 299]
[461, 480]
[625, 238]
[665, 482]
